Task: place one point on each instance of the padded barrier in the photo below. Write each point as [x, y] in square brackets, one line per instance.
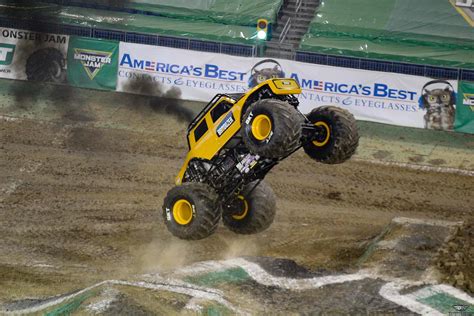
[237, 12]
[123, 21]
[424, 32]
[131, 37]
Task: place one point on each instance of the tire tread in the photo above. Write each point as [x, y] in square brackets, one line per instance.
[263, 208]
[345, 135]
[207, 215]
[286, 134]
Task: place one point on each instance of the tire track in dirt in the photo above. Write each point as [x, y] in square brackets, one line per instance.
[421, 167]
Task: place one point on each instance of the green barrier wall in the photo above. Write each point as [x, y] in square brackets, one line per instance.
[173, 26]
[423, 31]
[92, 63]
[238, 12]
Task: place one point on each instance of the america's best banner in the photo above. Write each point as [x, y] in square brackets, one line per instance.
[27, 55]
[92, 63]
[373, 96]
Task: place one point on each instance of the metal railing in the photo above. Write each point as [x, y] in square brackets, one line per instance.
[285, 30]
[298, 6]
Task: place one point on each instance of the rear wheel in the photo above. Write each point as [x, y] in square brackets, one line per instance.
[338, 137]
[252, 211]
[190, 211]
[271, 128]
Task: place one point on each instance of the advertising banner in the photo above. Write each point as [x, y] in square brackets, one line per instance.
[372, 96]
[92, 63]
[465, 108]
[193, 75]
[27, 55]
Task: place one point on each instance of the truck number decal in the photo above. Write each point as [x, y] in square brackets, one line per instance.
[225, 124]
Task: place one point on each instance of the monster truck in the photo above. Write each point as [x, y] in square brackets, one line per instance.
[234, 142]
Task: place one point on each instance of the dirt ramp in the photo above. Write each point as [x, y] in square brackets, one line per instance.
[258, 285]
[407, 247]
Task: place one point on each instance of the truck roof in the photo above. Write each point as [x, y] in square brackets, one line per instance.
[208, 106]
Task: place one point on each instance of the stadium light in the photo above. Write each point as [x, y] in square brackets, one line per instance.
[262, 29]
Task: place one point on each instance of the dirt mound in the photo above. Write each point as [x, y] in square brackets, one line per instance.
[253, 286]
[456, 259]
[407, 247]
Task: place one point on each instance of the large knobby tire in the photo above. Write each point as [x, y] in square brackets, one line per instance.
[47, 65]
[272, 128]
[190, 211]
[252, 211]
[339, 136]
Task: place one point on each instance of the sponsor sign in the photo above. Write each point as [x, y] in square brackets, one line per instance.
[6, 54]
[373, 96]
[465, 108]
[28, 55]
[198, 75]
[92, 63]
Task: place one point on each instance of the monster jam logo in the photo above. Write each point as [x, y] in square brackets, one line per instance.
[92, 60]
[6, 53]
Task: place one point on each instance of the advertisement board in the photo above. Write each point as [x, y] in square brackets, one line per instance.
[391, 98]
[92, 63]
[27, 55]
[372, 96]
[465, 108]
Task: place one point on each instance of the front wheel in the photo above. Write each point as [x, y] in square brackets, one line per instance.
[252, 211]
[190, 211]
[272, 128]
[337, 138]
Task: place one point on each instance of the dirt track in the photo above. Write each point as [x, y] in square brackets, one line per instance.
[83, 176]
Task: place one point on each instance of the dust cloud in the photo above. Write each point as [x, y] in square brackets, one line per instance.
[165, 256]
[171, 254]
[240, 246]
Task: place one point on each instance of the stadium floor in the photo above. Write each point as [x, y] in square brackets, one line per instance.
[84, 173]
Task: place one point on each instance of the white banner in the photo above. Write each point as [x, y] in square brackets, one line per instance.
[373, 96]
[27, 55]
